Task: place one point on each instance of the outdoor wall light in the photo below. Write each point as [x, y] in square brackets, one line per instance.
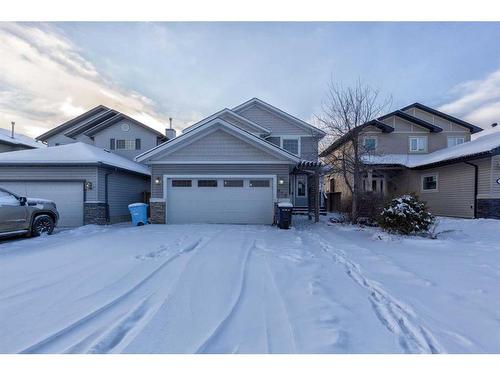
[88, 185]
[281, 181]
[157, 180]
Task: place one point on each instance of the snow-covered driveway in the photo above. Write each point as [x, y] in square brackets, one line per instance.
[251, 289]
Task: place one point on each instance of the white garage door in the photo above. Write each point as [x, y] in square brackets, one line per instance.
[220, 200]
[68, 197]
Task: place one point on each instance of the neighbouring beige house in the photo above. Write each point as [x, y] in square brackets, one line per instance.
[424, 151]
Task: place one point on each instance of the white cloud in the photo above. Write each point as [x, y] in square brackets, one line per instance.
[477, 101]
[45, 81]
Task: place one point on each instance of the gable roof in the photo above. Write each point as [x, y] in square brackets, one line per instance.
[118, 117]
[217, 121]
[473, 128]
[227, 111]
[341, 140]
[279, 112]
[405, 116]
[93, 121]
[68, 124]
[78, 153]
[19, 139]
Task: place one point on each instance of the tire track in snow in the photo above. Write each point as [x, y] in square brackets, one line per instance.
[413, 337]
[52, 339]
[283, 306]
[205, 345]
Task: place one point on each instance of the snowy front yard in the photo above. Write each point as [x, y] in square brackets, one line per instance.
[252, 289]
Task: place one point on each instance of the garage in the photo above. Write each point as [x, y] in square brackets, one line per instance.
[68, 196]
[220, 200]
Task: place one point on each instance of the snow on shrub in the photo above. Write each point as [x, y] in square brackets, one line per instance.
[406, 215]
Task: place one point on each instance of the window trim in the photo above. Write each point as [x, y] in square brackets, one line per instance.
[297, 178]
[370, 137]
[292, 137]
[454, 137]
[418, 137]
[422, 177]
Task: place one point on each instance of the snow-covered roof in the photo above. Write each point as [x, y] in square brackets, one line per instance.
[73, 153]
[19, 139]
[477, 146]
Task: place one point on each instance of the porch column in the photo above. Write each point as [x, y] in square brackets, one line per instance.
[369, 180]
[384, 191]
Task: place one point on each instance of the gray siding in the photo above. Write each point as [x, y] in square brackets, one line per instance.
[455, 195]
[123, 189]
[42, 173]
[275, 123]
[148, 139]
[495, 174]
[235, 121]
[280, 170]
[219, 146]
[397, 142]
[443, 123]
[309, 148]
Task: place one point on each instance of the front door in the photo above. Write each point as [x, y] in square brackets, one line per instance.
[300, 193]
[13, 216]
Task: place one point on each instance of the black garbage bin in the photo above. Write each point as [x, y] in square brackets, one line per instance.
[284, 215]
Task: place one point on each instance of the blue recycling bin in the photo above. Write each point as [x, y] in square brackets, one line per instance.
[139, 213]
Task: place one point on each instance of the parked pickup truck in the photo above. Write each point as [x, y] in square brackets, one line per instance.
[21, 215]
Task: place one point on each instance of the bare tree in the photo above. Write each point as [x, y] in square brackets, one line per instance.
[344, 110]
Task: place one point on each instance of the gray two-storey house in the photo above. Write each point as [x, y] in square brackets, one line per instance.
[421, 150]
[234, 166]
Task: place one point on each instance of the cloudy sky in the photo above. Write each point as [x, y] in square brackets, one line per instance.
[151, 71]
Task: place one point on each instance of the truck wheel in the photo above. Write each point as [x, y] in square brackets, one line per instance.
[42, 224]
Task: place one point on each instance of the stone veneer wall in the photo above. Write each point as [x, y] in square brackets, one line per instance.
[488, 208]
[158, 209]
[95, 213]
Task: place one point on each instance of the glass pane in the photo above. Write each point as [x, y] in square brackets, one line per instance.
[260, 183]
[370, 144]
[291, 145]
[181, 183]
[207, 183]
[233, 183]
[274, 140]
[301, 187]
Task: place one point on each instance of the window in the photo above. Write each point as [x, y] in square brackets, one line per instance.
[291, 145]
[430, 182]
[259, 183]
[207, 183]
[274, 140]
[126, 144]
[181, 183]
[453, 141]
[418, 144]
[233, 183]
[7, 199]
[301, 186]
[370, 143]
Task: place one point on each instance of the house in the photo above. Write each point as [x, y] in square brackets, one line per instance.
[88, 184]
[234, 166]
[87, 168]
[424, 151]
[108, 129]
[10, 141]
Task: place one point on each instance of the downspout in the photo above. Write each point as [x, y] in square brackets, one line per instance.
[476, 183]
[106, 199]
